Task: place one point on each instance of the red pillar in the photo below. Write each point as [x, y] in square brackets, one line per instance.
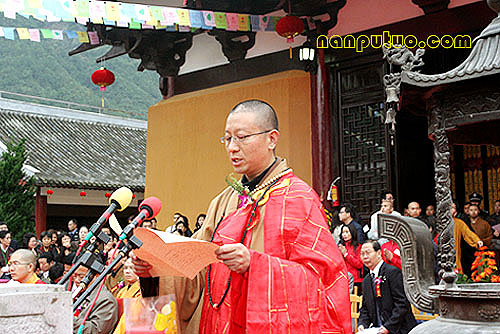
[321, 128]
[40, 213]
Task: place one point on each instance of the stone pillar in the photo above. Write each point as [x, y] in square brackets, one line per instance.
[445, 224]
[35, 308]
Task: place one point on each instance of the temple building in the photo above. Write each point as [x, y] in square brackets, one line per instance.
[336, 118]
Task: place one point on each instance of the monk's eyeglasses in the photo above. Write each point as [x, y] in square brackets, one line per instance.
[16, 264]
[239, 139]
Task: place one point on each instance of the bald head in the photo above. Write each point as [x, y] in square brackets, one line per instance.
[265, 114]
[25, 255]
[22, 264]
[414, 209]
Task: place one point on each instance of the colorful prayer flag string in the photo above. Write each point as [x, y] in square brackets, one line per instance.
[135, 16]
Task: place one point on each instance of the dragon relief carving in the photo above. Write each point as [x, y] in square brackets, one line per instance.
[445, 225]
[400, 59]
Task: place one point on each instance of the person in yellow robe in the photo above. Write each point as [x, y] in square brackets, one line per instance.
[132, 289]
[463, 232]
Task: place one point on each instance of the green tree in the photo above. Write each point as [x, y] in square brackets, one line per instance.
[17, 200]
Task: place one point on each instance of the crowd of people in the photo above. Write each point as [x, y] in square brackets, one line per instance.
[279, 268]
[365, 252]
[47, 259]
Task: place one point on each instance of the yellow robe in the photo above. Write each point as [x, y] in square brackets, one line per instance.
[128, 291]
[462, 231]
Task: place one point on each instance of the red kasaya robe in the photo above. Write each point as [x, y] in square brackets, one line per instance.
[297, 285]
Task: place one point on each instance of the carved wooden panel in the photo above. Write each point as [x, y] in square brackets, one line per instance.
[364, 168]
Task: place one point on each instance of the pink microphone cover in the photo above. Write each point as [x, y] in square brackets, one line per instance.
[153, 203]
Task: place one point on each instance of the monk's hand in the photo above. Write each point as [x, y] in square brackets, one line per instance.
[141, 268]
[480, 244]
[235, 256]
[361, 328]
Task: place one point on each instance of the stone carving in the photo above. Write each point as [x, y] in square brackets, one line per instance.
[401, 56]
[456, 106]
[445, 225]
[489, 312]
[416, 262]
[443, 308]
[400, 59]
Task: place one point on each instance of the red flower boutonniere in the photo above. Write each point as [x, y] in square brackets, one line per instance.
[379, 280]
[244, 192]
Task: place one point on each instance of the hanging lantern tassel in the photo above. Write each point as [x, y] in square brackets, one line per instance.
[290, 26]
[102, 78]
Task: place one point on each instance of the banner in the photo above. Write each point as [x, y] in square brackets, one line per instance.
[36, 35]
[134, 16]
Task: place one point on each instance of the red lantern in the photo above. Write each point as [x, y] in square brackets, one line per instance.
[290, 26]
[108, 195]
[83, 193]
[50, 192]
[103, 78]
[133, 196]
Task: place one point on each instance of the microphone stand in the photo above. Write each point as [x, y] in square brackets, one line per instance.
[132, 243]
[88, 258]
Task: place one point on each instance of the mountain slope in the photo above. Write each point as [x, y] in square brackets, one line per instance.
[45, 69]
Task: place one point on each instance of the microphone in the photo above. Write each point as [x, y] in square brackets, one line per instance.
[119, 200]
[148, 209]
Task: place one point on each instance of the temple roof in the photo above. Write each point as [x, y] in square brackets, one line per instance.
[483, 60]
[75, 149]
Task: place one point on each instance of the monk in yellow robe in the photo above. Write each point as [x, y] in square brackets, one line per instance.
[280, 269]
[131, 289]
[463, 232]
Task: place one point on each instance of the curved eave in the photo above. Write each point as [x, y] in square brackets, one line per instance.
[484, 60]
[87, 185]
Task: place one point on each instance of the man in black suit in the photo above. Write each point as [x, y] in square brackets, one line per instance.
[384, 301]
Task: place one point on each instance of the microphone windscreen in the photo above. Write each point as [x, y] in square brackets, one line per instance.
[122, 196]
[115, 225]
[152, 204]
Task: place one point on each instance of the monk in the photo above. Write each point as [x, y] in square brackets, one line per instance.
[280, 269]
[131, 289]
[22, 265]
[464, 236]
[480, 226]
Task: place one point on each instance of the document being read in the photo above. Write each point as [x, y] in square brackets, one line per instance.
[174, 255]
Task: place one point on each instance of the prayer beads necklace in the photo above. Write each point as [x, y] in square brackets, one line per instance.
[271, 181]
[255, 205]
